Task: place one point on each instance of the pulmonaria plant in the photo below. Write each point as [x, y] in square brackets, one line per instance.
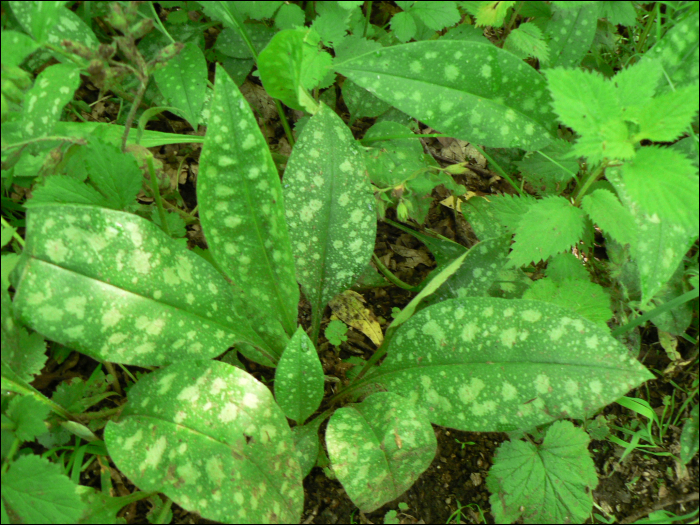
[467, 353]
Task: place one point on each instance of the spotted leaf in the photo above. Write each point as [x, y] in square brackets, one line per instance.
[242, 211]
[378, 448]
[183, 82]
[210, 437]
[468, 90]
[484, 364]
[299, 378]
[52, 90]
[330, 210]
[113, 286]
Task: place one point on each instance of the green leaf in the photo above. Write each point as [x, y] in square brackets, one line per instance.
[664, 183]
[614, 219]
[53, 89]
[290, 65]
[483, 364]
[550, 226]
[307, 444]
[443, 249]
[570, 34]
[329, 208]
[210, 437]
[378, 448]
[549, 174]
[636, 84]
[36, 491]
[588, 103]
[331, 22]
[241, 207]
[361, 103]
[436, 15]
[589, 300]
[113, 286]
[565, 266]
[669, 116]
[547, 483]
[679, 52]
[403, 26]
[491, 97]
[230, 43]
[28, 415]
[38, 18]
[335, 332]
[21, 45]
[489, 13]
[113, 134]
[23, 354]
[299, 378]
[528, 39]
[689, 436]
[61, 189]
[476, 274]
[183, 82]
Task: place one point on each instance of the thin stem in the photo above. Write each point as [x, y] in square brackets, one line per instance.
[687, 296]
[391, 277]
[156, 196]
[157, 21]
[497, 167]
[367, 15]
[594, 176]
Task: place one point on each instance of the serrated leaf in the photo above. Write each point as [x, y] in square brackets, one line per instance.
[668, 116]
[689, 436]
[331, 22]
[528, 38]
[606, 211]
[512, 364]
[61, 189]
[378, 448]
[549, 483]
[28, 415]
[115, 175]
[636, 84]
[468, 90]
[183, 82]
[289, 16]
[53, 89]
[589, 300]
[329, 209]
[299, 378]
[113, 286]
[242, 209]
[403, 26]
[550, 226]
[36, 491]
[436, 15]
[663, 182]
[489, 13]
[210, 437]
[565, 266]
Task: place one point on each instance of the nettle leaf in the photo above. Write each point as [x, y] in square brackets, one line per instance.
[378, 448]
[210, 437]
[290, 65]
[299, 378]
[547, 483]
[527, 39]
[614, 219]
[589, 300]
[53, 89]
[242, 210]
[664, 182]
[484, 364]
[23, 355]
[113, 286]
[35, 490]
[550, 226]
[468, 90]
[669, 115]
[183, 82]
[330, 209]
[660, 245]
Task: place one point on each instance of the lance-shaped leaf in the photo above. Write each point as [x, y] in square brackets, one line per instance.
[242, 211]
[210, 437]
[54, 88]
[299, 378]
[468, 90]
[183, 82]
[113, 286]
[378, 448]
[484, 364]
[330, 210]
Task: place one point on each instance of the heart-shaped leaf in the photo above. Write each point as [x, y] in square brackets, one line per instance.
[378, 448]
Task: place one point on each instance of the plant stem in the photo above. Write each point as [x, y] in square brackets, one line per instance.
[687, 296]
[581, 192]
[391, 277]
